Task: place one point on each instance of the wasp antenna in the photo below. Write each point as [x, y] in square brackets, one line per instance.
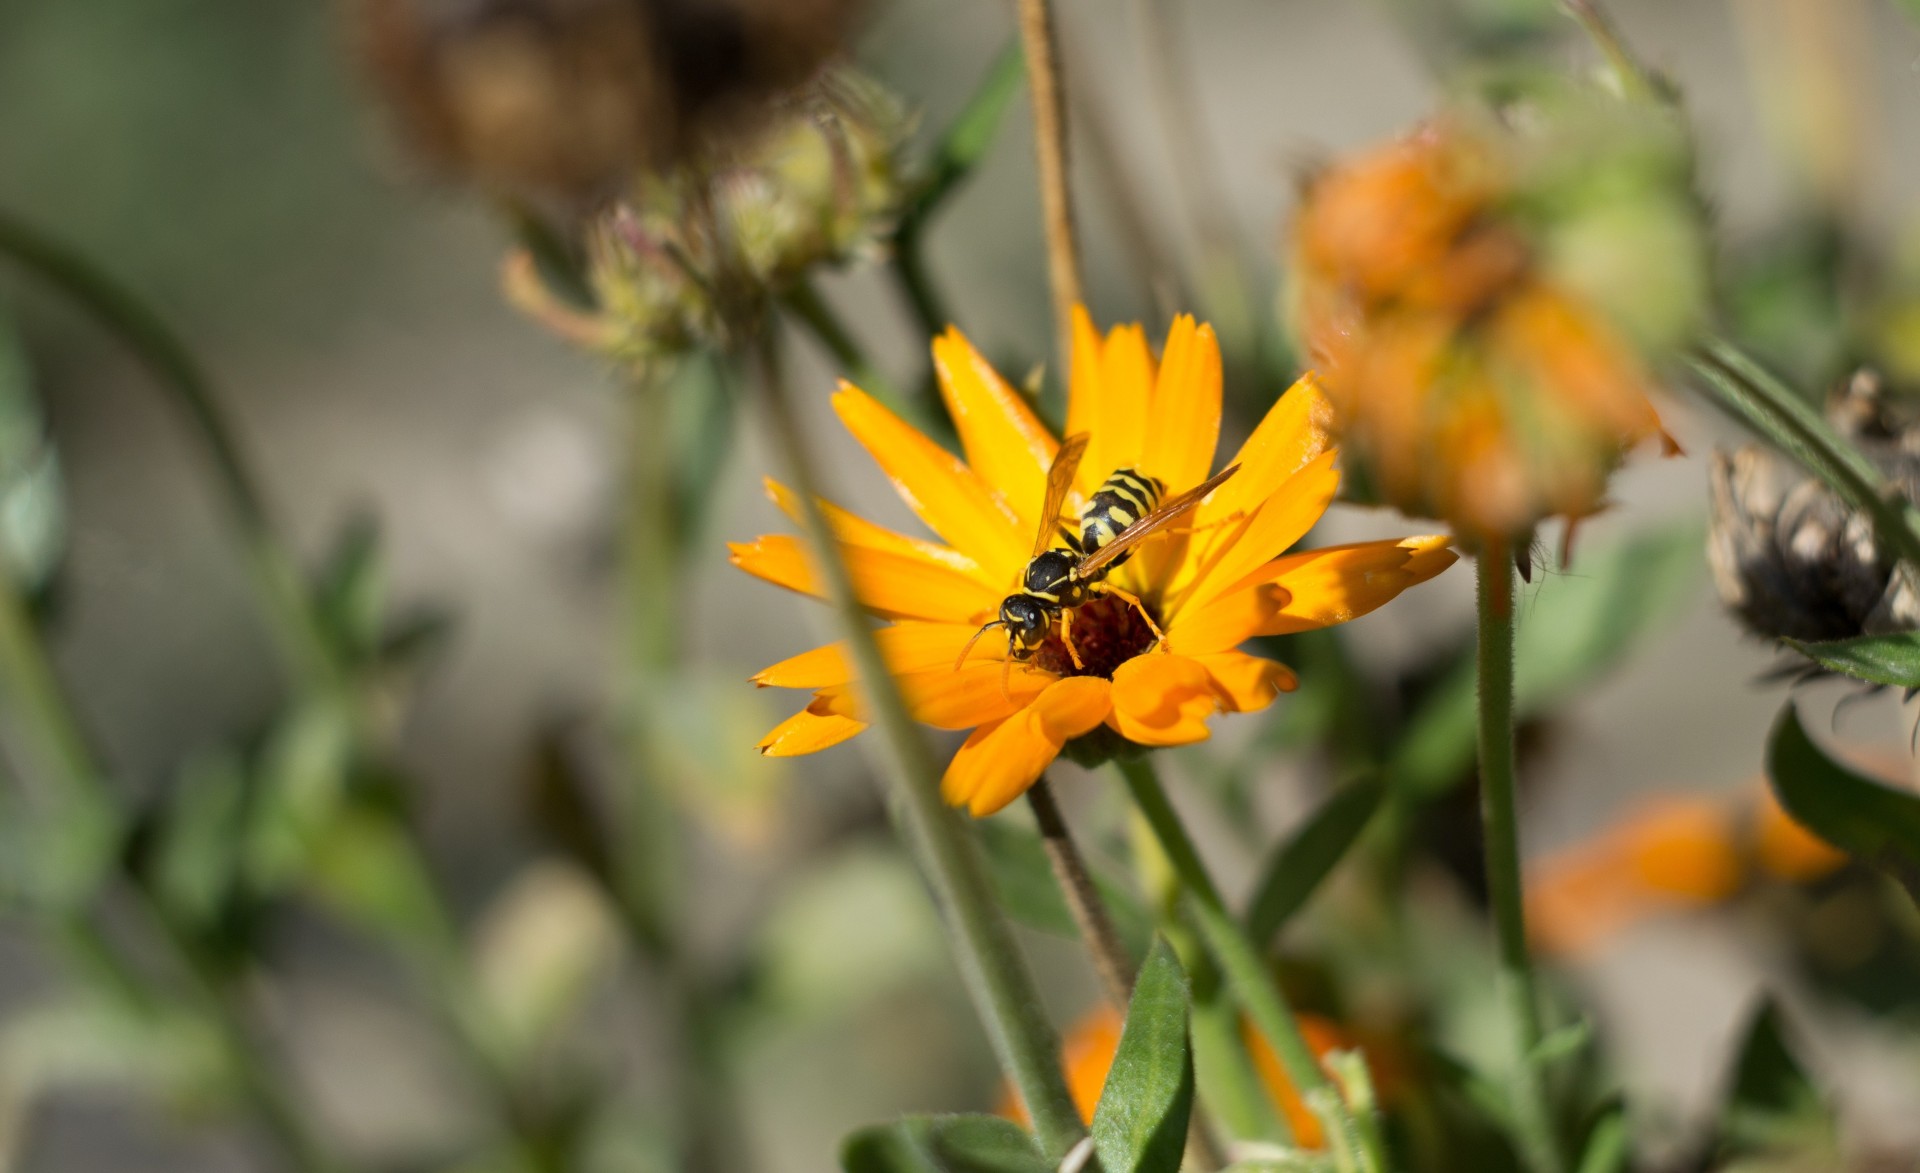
[964, 652]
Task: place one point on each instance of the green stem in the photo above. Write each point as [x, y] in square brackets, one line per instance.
[1770, 408]
[40, 712]
[1498, 813]
[173, 366]
[1245, 967]
[1110, 960]
[930, 311]
[804, 302]
[996, 976]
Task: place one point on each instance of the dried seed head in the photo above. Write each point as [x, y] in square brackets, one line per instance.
[561, 102]
[1790, 558]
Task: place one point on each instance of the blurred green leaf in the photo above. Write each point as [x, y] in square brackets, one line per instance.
[1299, 864]
[1877, 659]
[943, 1144]
[1140, 1125]
[361, 865]
[1608, 1144]
[196, 857]
[1874, 823]
[1576, 627]
[539, 950]
[90, 1039]
[56, 862]
[301, 778]
[1030, 894]
[1772, 1105]
[32, 497]
[966, 139]
[350, 589]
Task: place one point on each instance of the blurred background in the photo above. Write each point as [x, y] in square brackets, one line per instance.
[226, 159]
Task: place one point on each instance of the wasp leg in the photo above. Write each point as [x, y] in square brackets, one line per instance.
[1066, 637]
[1132, 600]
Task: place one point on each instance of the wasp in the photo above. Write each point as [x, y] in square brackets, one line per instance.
[1125, 511]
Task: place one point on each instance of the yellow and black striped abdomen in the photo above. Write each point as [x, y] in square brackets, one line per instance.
[1126, 497]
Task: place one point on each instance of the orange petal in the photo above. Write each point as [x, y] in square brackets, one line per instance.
[1246, 684]
[1121, 396]
[891, 585]
[947, 699]
[1224, 559]
[999, 762]
[1185, 412]
[908, 647]
[1294, 432]
[858, 531]
[806, 732]
[950, 497]
[1162, 698]
[1339, 583]
[1223, 624]
[1083, 373]
[1004, 441]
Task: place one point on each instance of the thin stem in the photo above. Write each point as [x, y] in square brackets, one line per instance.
[40, 711]
[173, 366]
[996, 976]
[1633, 78]
[813, 311]
[1040, 39]
[1499, 818]
[1089, 911]
[930, 312]
[1246, 969]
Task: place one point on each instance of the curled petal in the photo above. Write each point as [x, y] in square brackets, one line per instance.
[907, 646]
[946, 699]
[808, 732]
[1223, 624]
[1339, 583]
[1246, 684]
[1162, 698]
[999, 762]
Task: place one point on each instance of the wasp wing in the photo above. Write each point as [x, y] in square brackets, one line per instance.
[1066, 462]
[1170, 511]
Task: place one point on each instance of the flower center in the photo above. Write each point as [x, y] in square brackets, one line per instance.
[1106, 632]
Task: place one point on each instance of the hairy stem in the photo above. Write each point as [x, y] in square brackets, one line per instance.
[1089, 911]
[996, 975]
[1241, 961]
[1499, 819]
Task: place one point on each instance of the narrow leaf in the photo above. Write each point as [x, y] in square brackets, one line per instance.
[1876, 823]
[1876, 659]
[943, 1144]
[1140, 1125]
[1300, 863]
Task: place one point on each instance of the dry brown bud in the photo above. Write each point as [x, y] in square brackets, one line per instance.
[1789, 557]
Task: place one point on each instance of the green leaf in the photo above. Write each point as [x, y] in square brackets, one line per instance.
[1024, 880]
[1299, 864]
[1607, 1149]
[1140, 1125]
[943, 1144]
[1578, 626]
[350, 591]
[1773, 1106]
[196, 858]
[1876, 659]
[967, 137]
[302, 778]
[1875, 823]
[33, 519]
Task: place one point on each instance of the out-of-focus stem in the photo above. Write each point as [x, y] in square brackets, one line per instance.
[1500, 823]
[1089, 911]
[813, 311]
[1243, 964]
[39, 708]
[172, 365]
[1040, 40]
[996, 976]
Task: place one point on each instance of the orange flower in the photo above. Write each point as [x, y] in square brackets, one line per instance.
[1210, 584]
[1473, 386]
[1668, 853]
[1087, 1051]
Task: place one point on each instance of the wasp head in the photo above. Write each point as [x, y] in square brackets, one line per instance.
[1027, 621]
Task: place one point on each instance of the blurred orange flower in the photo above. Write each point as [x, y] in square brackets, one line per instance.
[1669, 853]
[1087, 1051]
[1218, 582]
[1467, 382]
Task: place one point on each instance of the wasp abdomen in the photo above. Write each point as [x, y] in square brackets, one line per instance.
[1126, 497]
